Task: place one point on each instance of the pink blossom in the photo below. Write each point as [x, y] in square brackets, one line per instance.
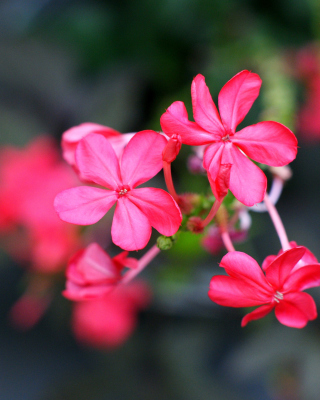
[92, 273]
[109, 321]
[212, 240]
[279, 288]
[72, 137]
[30, 178]
[225, 157]
[137, 210]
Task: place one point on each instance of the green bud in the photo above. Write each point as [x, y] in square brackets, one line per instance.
[164, 242]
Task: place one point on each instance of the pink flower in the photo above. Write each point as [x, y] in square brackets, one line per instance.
[92, 273]
[30, 178]
[109, 321]
[212, 241]
[280, 288]
[225, 157]
[72, 137]
[137, 210]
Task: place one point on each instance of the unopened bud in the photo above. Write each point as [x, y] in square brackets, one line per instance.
[172, 148]
[164, 242]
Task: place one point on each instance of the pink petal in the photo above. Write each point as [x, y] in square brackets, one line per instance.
[76, 292]
[236, 98]
[142, 158]
[267, 261]
[205, 112]
[212, 159]
[72, 136]
[258, 313]
[218, 159]
[96, 265]
[241, 265]
[303, 278]
[98, 162]
[233, 292]
[119, 142]
[84, 205]
[175, 120]
[247, 182]
[267, 142]
[296, 309]
[279, 270]
[159, 207]
[131, 229]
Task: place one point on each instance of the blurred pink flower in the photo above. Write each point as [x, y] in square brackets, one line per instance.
[212, 240]
[280, 288]
[225, 157]
[29, 180]
[137, 210]
[92, 273]
[109, 321]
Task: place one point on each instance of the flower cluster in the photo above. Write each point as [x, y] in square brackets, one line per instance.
[111, 167]
[225, 155]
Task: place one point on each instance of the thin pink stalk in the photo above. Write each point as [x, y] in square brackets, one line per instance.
[277, 223]
[212, 213]
[169, 181]
[227, 241]
[143, 262]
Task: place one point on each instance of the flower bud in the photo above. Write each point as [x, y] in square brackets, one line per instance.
[164, 242]
[172, 148]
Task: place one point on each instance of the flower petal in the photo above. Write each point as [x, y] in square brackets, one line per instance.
[233, 292]
[303, 278]
[96, 265]
[205, 112]
[77, 293]
[212, 159]
[142, 158]
[175, 120]
[247, 182]
[131, 229]
[84, 205]
[296, 309]
[281, 267]
[97, 161]
[159, 207]
[236, 98]
[267, 142]
[72, 136]
[241, 265]
[258, 313]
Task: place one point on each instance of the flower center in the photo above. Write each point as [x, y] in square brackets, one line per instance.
[123, 191]
[226, 138]
[278, 296]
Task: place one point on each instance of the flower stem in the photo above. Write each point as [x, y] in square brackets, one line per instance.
[168, 179]
[143, 262]
[277, 223]
[212, 213]
[227, 241]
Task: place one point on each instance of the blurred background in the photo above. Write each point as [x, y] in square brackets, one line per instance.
[121, 63]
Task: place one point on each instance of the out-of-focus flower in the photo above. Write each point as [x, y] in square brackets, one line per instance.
[137, 210]
[212, 240]
[92, 273]
[32, 305]
[225, 157]
[280, 288]
[307, 71]
[109, 321]
[29, 180]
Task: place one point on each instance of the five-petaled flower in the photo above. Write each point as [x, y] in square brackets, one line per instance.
[92, 273]
[225, 157]
[137, 210]
[279, 288]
